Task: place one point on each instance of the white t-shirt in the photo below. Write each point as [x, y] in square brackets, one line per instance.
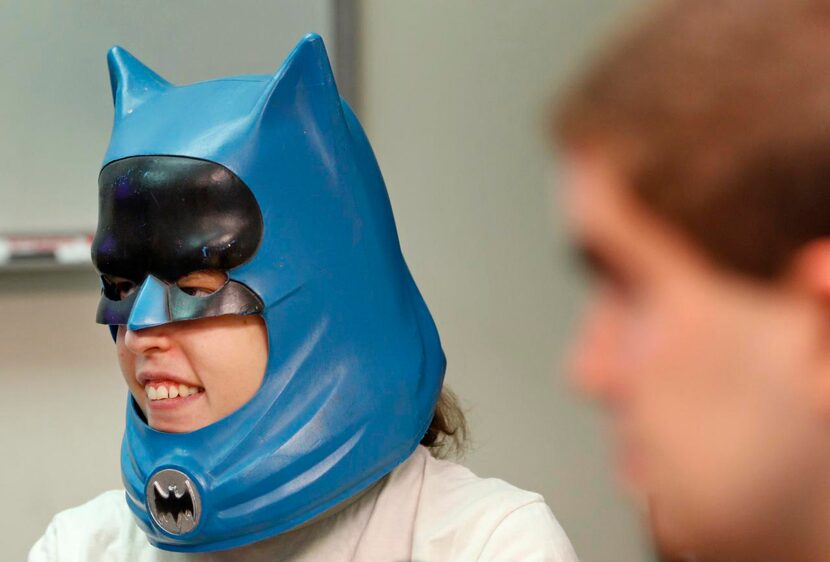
[426, 510]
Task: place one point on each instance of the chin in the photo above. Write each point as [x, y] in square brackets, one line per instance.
[173, 427]
[672, 542]
[178, 424]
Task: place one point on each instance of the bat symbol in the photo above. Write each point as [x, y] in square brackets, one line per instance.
[173, 505]
[173, 501]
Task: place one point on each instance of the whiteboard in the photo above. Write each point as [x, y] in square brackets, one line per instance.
[55, 101]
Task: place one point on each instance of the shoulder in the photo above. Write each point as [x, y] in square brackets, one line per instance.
[100, 529]
[462, 516]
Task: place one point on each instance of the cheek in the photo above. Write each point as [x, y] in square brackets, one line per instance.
[230, 361]
[126, 359]
[715, 379]
[127, 364]
[718, 402]
[685, 361]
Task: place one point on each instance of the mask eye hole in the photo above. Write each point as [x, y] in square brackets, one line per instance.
[118, 288]
[202, 283]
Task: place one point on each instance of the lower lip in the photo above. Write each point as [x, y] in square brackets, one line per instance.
[172, 403]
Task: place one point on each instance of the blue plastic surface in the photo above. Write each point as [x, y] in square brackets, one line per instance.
[355, 365]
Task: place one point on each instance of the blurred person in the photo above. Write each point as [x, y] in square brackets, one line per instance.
[285, 375]
[697, 187]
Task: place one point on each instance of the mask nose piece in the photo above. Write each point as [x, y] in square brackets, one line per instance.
[150, 307]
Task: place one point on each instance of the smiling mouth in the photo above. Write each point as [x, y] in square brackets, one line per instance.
[162, 391]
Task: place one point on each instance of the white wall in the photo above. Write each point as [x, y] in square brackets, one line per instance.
[453, 98]
[55, 102]
[61, 402]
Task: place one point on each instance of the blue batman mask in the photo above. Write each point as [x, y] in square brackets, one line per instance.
[271, 179]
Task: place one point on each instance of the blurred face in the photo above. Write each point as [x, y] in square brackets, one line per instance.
[187, 375]
[715, 385]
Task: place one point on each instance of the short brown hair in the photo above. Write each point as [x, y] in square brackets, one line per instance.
[718, 113]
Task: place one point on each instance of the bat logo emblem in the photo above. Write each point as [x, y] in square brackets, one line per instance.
[173, 501]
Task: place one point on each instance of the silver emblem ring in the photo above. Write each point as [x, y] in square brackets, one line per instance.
[173, 501]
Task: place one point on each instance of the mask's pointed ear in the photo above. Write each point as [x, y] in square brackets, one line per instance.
[303, 86]
[131, 81]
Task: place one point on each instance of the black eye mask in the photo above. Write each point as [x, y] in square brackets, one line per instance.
[163, 217]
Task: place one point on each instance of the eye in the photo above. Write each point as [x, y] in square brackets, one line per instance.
[606, 271]
[202, 283]
[118, 288]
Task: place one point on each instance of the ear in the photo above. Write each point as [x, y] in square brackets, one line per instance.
[808, 275]
[131, 81]
[304, 85]
[809, 270]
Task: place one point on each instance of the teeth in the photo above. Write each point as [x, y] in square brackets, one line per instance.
[169, 390]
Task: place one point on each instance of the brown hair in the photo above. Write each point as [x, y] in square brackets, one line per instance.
[448, 430]
[718, 115]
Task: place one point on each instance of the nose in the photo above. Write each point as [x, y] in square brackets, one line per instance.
[147, 340]
[150, 306]
[591, 359]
